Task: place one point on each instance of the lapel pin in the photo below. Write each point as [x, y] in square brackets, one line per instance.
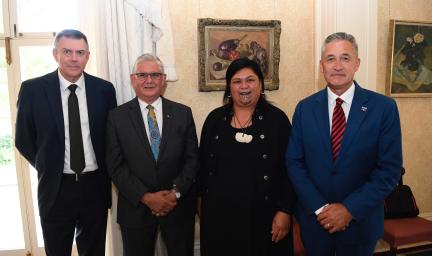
[364, 109]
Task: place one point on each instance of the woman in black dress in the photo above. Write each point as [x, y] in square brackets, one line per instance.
[245, 195]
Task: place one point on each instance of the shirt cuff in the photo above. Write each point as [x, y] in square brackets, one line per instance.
[320, 209]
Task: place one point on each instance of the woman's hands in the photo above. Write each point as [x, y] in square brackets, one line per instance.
[280, 226]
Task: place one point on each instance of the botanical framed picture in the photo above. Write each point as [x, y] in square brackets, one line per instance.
[410, 59]
[222, 41]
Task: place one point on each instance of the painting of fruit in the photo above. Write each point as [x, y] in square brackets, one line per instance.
[223, 41]
[231, 45]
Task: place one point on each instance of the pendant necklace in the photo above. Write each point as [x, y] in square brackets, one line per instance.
[242, 136]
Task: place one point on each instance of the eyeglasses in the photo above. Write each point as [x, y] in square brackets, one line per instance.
[153, 76]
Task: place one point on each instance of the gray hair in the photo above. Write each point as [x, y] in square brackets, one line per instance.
[340, 36]
[148, 57]
[70, 33]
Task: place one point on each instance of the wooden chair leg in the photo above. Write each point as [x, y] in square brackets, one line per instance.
[393, 251]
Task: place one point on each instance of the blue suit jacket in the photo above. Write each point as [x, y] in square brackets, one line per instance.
[40, 137]
[365, 172]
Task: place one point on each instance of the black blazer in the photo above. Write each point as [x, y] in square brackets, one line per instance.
[134, 171]
[39, 132]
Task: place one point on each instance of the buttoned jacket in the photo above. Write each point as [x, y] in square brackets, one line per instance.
[273, 128]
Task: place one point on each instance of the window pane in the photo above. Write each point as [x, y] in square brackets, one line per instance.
[11, 231]
[36, 61]
[34, 184]
[46, 15]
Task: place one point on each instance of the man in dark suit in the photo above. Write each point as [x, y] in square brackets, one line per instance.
[344, 157]
[152, 158]
[60, 130]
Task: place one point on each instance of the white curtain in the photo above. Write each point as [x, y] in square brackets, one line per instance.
[125, 29]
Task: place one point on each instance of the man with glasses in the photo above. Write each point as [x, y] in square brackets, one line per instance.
[60, 130]
[152, 158]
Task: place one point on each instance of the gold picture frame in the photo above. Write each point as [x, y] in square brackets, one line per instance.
[222, 41]
[409, 71]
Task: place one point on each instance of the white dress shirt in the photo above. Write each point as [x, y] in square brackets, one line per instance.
[157, 105]
[89, 154]
[347, 98]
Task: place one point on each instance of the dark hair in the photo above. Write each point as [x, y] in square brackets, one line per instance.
[70, 33]
[236, 66]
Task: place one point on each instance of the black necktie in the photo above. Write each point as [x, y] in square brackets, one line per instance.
[77, 161]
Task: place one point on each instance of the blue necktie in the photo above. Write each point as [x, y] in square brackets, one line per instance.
[155, 137]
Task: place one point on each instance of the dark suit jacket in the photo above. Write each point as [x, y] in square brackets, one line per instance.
[134, 171]
[275, 127]
[40, 137]
[365, 172]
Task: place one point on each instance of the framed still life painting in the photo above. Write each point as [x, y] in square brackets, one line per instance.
[222, 41]
[410, 59]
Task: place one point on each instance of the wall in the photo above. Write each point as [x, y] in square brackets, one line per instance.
[415, 114]
[359, 18]
[297, 43]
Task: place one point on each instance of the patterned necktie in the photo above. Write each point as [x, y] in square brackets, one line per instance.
[338, 127]
[77, 160]
[155, 137]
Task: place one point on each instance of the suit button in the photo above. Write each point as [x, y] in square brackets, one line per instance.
[264, 156]
[211, 155]
[333, 173]
[210, 173]
[266, 198]
[266, 177]
[206, 190]
[217, 137]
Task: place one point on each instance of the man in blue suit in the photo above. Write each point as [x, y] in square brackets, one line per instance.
[60, 130]
[344, 157]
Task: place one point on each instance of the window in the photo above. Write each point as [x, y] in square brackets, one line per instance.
[26, 39]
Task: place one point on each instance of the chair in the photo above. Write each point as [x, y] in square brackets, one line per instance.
[410, 233]
[407, 231]
[397, 232]
[299, 250]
